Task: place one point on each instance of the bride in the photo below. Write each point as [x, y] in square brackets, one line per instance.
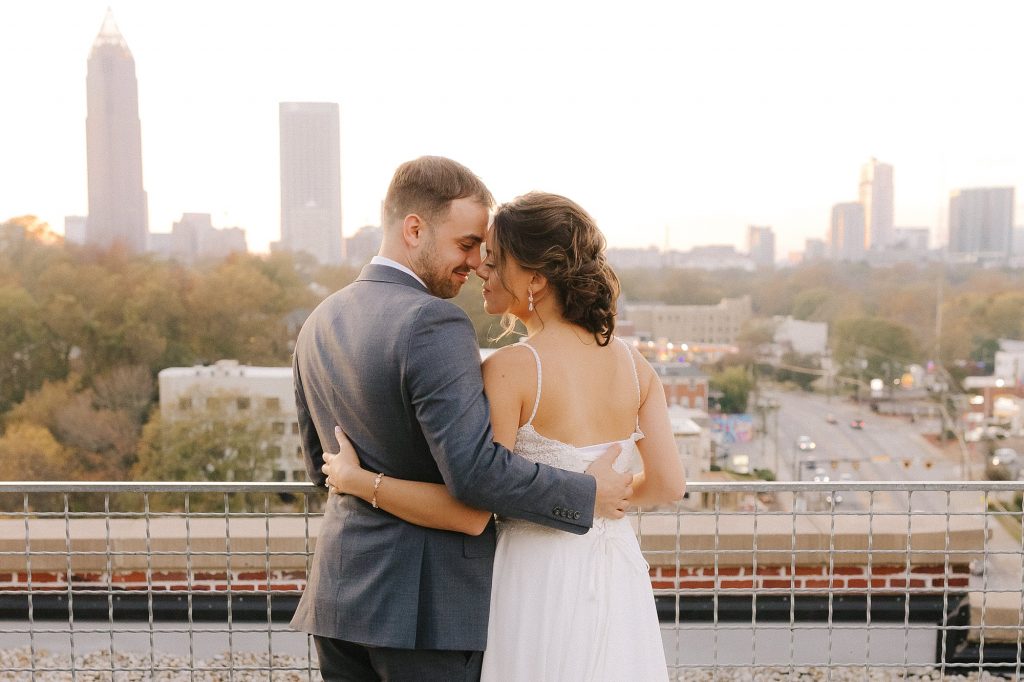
[563, 607]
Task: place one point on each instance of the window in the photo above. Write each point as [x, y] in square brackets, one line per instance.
[295, 428]
[274, 450]
[278, 428]
[279, 475]
[213, 403]
[243, 403]
[273, 404]
[184, 404]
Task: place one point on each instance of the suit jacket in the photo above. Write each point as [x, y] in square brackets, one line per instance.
[399, 370]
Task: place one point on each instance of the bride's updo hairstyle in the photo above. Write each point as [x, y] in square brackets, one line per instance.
[555, 237]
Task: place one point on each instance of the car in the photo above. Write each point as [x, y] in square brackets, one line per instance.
[831, 418]
[805, 443]
[980, 433]
[833, 497]
[1007, 461]
[857, 424]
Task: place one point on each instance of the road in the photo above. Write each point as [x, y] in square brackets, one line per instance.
[885, 449]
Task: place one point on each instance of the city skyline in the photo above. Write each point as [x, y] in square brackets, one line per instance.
[645, 118]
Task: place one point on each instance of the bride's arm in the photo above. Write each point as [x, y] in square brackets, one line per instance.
[420, 503]
[662, 481]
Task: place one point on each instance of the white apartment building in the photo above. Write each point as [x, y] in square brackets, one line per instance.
[1009, 364]
[266, 392]
[800, 336]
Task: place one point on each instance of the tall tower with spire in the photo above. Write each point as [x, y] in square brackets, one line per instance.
[118, 211]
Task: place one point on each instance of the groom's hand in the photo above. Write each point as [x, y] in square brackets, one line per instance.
[613, 488]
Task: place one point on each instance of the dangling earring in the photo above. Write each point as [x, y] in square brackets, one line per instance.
[529, 300]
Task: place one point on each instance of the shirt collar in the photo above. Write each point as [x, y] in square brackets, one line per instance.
[383, 260]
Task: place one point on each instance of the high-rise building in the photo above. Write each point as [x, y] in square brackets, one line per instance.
[311, 180]
[117, 201]
[911, 238]
[74, 229]
[981, 222]
[761, 245]
[363, 245]
[876, 196]
[815, 249]
[194, 238]
[846, 237]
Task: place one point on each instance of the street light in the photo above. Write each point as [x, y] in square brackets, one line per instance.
[767, 406]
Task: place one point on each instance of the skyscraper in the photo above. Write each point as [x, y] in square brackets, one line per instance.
[761, 245]
[113, 136]
[981, 221]
[846, 238]
[876, 195]
[311, 180]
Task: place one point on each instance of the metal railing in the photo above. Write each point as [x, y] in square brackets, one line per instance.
[839, 580]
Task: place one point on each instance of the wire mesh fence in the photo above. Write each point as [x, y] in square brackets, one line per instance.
[858, 580]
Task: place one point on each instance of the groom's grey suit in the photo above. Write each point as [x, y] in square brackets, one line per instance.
[399, 370]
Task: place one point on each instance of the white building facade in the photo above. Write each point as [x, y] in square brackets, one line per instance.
[265, 392]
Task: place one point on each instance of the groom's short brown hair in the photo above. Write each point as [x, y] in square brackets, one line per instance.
[427, 185]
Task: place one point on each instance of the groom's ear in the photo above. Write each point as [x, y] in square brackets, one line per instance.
[412, 230]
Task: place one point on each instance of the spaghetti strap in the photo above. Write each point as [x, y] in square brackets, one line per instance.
[636, 379]
[536, 402]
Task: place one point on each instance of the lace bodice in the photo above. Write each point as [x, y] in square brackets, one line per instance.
[543, 450]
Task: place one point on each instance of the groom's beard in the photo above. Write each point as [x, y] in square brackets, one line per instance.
[434, 274]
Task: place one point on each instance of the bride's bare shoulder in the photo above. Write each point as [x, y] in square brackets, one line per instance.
[509, 362]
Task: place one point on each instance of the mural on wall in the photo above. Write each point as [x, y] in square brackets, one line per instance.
[732, 428]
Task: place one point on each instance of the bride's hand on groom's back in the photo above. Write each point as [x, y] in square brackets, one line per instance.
[613, 488]
[340, 467]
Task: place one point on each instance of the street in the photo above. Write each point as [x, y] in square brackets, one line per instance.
[884, 449]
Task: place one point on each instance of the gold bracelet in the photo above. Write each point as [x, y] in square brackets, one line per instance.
[376, 484]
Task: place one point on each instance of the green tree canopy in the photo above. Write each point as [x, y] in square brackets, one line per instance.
[735, 385]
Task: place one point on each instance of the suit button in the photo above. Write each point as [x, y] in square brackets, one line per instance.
[557, 511]
[576, 516]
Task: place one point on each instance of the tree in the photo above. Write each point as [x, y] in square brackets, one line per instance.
[29, 354]
[29, 452]
[873, 345]
[793, 362]
[218, 444]
[735, 385]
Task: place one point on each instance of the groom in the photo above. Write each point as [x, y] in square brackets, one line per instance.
[398, 367]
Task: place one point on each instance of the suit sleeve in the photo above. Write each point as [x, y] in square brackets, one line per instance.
[445, 385]
[312, 449]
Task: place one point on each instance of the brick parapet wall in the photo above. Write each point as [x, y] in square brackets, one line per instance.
[730, 552]
[886, 578]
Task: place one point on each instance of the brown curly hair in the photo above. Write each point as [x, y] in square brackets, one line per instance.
[554, 236]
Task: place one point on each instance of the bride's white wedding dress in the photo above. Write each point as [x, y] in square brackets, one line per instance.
[571, 607]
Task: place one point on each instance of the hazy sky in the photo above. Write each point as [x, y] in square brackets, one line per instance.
[696, 118]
